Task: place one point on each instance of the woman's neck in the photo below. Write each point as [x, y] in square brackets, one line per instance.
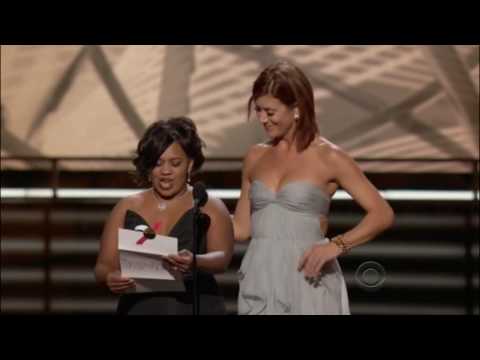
[164, 202]
[286, 144]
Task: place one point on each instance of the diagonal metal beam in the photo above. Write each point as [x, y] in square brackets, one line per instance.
[402, 107]
[402, 115]
[457, 83]
[431, 135]
[265, 55]
[56, 95]
[13, 145]
[388, 114]
[177, 72]
[363, 99]
[10, 143]
[398, 112]
[116, 90]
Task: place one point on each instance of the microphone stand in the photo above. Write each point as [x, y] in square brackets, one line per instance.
[196, 211]
[200, 198]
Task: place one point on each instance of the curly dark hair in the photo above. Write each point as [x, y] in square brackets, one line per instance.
[159, 136]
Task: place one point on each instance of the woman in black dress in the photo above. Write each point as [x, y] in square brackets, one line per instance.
[169, 152]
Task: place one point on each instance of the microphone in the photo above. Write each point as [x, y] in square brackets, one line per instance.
[149, 233]
[200, 195]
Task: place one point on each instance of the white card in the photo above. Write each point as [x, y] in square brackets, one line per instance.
[143, 261]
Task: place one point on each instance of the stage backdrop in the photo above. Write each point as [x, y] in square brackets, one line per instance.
[375, 101]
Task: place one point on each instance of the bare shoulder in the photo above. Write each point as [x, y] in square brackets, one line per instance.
[330, 153]
[254, 154]
[133, 201]
[215, 207]
[256, 151]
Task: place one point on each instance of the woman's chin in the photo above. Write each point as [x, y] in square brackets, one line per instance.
[275, 138]
[166, 191]
[271, 134]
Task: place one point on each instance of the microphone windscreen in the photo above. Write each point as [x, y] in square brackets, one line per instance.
[149, 233]
[200, 194]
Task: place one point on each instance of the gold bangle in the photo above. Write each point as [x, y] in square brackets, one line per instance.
[338, 240]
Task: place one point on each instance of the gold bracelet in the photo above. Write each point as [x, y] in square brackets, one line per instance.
[338, 240]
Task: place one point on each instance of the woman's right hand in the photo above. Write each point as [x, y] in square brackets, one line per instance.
[118, 284]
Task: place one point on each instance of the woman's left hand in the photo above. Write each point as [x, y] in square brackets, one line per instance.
[182, 261]
[316, 257]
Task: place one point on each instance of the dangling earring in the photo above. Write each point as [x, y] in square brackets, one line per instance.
[296, 116]
[189, 173]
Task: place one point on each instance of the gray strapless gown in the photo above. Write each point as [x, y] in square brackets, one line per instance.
[284, 225]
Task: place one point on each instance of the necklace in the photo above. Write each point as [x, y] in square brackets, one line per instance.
[162, 204]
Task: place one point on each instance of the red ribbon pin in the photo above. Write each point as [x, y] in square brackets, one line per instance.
[156, 227]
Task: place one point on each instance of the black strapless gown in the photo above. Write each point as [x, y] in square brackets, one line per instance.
[174, 303]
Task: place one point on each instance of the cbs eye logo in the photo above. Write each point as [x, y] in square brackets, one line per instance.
[370, 275]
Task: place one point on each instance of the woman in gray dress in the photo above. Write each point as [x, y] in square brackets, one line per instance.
[290, 267]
